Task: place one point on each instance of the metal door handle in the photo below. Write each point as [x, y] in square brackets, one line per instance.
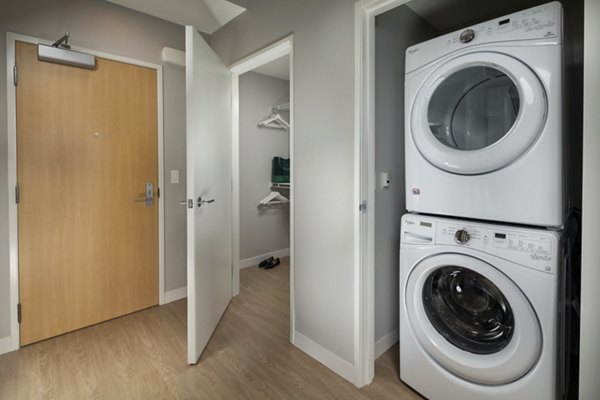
[189, 203]
[149, 199]
[200, 201]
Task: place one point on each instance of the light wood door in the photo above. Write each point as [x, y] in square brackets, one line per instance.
[86, 146]
[208, 136]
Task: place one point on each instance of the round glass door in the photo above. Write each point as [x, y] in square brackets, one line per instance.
[472, 319]
[478, 113]
[473, 108]
[468, 310]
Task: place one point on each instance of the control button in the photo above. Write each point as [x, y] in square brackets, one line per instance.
[467, 35]
[462, 236]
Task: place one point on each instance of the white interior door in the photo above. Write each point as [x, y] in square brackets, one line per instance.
[208, 98]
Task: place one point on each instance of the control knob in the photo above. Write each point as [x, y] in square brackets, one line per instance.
[467, 35]
[462, 236]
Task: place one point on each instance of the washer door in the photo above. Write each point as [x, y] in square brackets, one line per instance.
[472, 320]
[478, 113]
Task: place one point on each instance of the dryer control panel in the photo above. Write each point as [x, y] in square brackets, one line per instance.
[537, 249]
[537, 24]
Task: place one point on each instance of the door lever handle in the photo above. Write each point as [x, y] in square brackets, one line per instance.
[200, 201]
[149, 195]
[189, 203]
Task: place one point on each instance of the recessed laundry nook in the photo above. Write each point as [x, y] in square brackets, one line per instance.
[479, 144]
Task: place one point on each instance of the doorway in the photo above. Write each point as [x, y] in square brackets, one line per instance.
[263, 158]
[88, 246]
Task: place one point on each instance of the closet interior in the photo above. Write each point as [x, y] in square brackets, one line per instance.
[264, 164]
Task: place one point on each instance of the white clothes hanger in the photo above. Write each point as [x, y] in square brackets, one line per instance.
[275, 120]
[274, 198]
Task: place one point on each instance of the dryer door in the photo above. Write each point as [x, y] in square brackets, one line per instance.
[472, 319]
[478, 113]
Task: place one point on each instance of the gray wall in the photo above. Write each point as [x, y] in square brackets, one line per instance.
[590, 274]
[262, 229]
[175, 159]
[396, 30]
[324, 153]
[102, 26]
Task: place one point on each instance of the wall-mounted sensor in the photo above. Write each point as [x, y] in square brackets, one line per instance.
[385, 180]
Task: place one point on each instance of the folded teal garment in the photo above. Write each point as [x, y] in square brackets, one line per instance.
[280, 171]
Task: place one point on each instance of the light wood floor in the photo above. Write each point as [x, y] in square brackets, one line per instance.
[143, 356]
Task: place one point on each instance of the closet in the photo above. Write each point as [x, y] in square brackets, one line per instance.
[264, 163]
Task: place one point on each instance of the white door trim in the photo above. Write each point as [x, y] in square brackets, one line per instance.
[589, 363]
[364, 183]
[277, 50]
[13, 243]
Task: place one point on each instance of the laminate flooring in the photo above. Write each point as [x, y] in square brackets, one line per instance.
[143, 356]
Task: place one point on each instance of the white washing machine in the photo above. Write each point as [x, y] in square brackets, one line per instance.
[484, 121]
[478, 310]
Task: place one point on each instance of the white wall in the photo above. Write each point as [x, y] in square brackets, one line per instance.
[589, 384]
[101, 26]
[395, 31]
[263, 230]
[324, 158]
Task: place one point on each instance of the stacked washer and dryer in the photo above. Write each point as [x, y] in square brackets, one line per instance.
[480, 259]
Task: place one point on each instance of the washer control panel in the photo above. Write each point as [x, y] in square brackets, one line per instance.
[531, 248]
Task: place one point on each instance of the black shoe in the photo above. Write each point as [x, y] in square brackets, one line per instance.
[263, 263]
[273, 264]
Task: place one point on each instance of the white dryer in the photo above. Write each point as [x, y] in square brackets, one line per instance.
[484, 121]
[478, 310]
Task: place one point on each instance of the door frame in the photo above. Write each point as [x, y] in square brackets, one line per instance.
[365, 12]
[281, 48]
[11, 39]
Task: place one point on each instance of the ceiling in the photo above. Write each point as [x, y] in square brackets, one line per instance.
[450, 15]
[206, 15]
[279, 68]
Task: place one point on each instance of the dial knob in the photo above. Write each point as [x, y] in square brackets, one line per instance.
[467, 35]
[462, 236]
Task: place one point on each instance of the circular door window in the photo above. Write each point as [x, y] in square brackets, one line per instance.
[473, 108]
[478, 113]
[468, 310]
[472, 319]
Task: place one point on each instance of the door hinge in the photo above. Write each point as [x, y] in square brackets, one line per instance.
[362, 207]
[15, 75]
[158, 193]
[17, 194]
[19, 312]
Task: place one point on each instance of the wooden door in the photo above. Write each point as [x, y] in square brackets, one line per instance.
[208, 140]
[86, 147]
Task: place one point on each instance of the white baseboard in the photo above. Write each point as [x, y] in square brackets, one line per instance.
[175, 294]
[5, 345]
[332, 361]
[250, 262]
[385, 343]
